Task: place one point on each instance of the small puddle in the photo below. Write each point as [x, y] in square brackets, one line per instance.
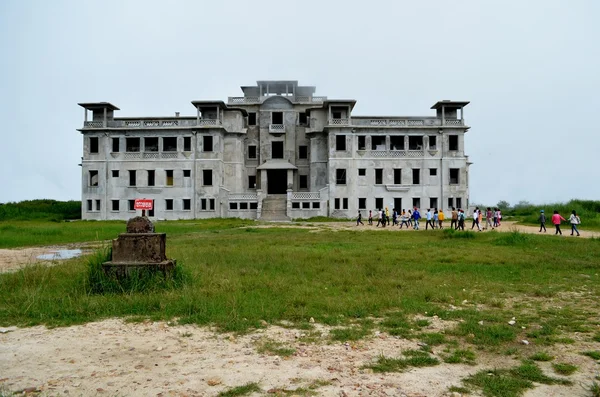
[60, 254]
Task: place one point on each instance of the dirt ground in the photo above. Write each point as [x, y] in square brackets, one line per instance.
[115, 358]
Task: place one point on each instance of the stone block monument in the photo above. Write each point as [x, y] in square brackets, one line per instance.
[139, 248]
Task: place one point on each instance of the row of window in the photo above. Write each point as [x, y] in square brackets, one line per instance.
[397, 142]
[186, 205]
[340, 175]
[93, 179]
[277, 118]
[342, 203]
[169, 144]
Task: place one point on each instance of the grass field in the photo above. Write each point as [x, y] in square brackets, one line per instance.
[239, 276]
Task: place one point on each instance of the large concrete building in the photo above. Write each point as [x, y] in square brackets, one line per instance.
[277, 152]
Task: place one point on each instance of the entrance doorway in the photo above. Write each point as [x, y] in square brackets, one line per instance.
[276, 181]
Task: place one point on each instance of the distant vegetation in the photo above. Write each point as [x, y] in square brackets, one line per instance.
[49, 210]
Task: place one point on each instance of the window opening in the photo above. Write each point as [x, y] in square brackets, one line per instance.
[169, 144]
[207, 177]
[277, 150]
[93, 178]
[132, 178]
[397, 176]
[377, 142]
[397, 142]
[340, 176]
[416, 176]
[252, 118]
[207, 143]
[187, 204]
[340, 142]
[378, 176]
[453, 142]
[115, 205]
[187, 143]
[303, 181]
[415, 143]
[169, 174]
[115, 145]
[169, 204]
[132, 144]
[252, 151]
[151, 144]
[276, 117]
[302, 152]
[151, 177]
[362, 142]
[454, 172]
[94, 145]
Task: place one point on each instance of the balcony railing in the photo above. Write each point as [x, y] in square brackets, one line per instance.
[93, 124]
[404, 122]
[306, 196]
[244, 100]
[243, 196]
[389, 153]
[277, 128]
[344, 121]
[153, 123]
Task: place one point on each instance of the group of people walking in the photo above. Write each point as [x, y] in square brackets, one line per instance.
[574, 220]
[435, 219]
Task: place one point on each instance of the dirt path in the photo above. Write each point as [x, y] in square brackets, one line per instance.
[111, 358]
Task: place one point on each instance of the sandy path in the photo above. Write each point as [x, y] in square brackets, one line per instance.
[17, 258]
[112, 358]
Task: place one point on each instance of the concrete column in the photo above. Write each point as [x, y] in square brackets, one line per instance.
[387, 142]
[84, 115]
[197, 115]
[329, 117]
[290, 179]
[368, 142]
[443, 115]
[264, 184]
[405, 142]
[349, 109]
[104, 121]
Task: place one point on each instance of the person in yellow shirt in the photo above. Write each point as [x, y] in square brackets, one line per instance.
[441, 218]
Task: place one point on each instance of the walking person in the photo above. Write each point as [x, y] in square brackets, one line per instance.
[542, 220]
[380, 220]
[370, 218]
[411, 217]
[488, 218]
[476, 214]
[403, 219]
[436, 218]
[359, 219]
[495, 217]
[461, 220]
[387, 215]
[454, 219]
[499, 217]
[416, 216]
[394, 217]
[574, 220]
[556, 218]
[429, 218]
[441, 218]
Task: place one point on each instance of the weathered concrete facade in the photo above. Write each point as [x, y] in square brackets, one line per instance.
[278, 152]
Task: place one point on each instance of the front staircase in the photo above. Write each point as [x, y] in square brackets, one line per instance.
[274, 208]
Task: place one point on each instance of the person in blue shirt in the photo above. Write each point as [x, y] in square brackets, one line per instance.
[416, 217]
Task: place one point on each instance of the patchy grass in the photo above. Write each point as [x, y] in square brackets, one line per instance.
[274, 348]
[596, 337]
[564, 368]
[541, 356]
[461, 356]
[432, 338]
[244, 390]
[512, 382]
[413, 358]
[594, 389]
[593, 354]
[349, 333]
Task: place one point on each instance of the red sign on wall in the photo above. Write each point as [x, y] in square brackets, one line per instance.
[143, 204]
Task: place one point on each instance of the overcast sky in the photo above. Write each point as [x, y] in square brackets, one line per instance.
[531, 70]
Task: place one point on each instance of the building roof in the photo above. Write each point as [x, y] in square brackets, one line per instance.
[98, 105]
[277, 164]
[448, 103]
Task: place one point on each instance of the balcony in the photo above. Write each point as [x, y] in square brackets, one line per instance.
[277, 128]
[390, 153]
[154, 123]
[344, 121]
[404, 122]
[241, 100]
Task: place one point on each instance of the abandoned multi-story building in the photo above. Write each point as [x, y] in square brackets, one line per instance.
[278, 152]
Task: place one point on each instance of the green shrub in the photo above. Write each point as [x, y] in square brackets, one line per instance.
[51, 210]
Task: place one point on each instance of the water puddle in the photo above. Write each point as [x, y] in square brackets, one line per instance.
[59, 255]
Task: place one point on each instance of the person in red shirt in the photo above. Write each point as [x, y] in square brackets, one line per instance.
[556, 218]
